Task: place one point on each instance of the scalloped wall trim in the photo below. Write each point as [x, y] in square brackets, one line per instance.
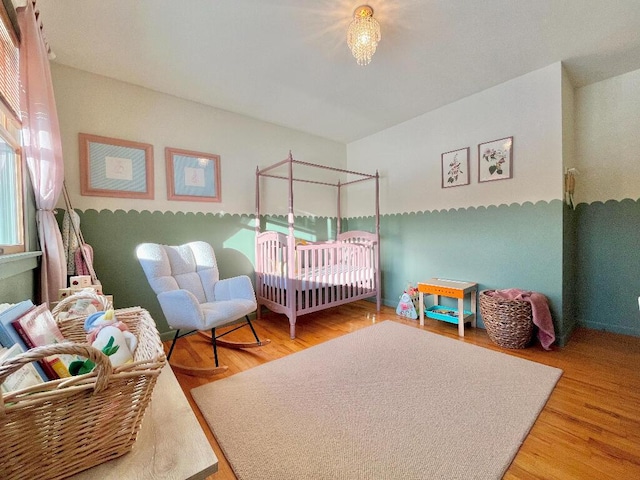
[190, 214]
[252, 215]
[166, 212]
[417, 212]
[480, 208]
[609, 202]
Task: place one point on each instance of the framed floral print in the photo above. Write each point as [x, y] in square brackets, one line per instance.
[455, 168]
[495, 160]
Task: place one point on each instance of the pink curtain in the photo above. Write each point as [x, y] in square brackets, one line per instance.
[43, 150]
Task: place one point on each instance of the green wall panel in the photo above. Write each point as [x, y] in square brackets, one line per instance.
[18, 287]
[570, 273]
[585, 261]
[509, 246]
[114, 237]
[19, 273]
[306, 228]
[608, 256]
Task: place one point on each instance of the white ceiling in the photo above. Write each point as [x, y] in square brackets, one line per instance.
[286, 61]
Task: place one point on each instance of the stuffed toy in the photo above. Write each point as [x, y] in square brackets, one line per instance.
[105, 331]
[408, 306]
[80, 367]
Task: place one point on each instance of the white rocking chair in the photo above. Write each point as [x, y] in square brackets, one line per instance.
[192, 296]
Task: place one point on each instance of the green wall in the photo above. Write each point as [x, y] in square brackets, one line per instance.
[19, 273]
[608, 258]
[585, 261]
[114, 237]
[509, 246]
[18, 278]
[570, 272]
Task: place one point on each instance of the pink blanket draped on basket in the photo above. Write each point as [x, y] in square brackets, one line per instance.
[539, 311]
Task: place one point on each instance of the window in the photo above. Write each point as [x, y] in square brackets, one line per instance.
[11, 179]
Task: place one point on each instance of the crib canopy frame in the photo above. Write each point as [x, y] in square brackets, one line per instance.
[290, 178]
[291, 291]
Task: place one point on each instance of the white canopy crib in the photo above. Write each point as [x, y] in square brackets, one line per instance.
[296, 278]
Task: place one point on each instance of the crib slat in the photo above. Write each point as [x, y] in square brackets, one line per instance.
[322, 274]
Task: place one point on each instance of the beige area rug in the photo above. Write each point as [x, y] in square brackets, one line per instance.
[385, 402]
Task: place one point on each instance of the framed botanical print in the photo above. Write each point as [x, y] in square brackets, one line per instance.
[455, 168]
[495, 160]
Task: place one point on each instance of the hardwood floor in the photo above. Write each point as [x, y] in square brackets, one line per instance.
[589, 429]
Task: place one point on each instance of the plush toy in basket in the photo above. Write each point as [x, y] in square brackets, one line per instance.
[103, 330]
[109, 335]
[48, 430]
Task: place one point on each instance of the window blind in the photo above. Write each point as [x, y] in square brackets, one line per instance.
[9, 65]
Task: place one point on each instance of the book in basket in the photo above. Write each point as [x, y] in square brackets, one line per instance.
[38, 328]
[8, 334]
[27, 376]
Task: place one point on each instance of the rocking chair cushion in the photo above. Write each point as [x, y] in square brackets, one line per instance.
[219, 313]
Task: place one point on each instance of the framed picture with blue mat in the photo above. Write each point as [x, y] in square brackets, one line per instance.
[192, 176]
[111, 167]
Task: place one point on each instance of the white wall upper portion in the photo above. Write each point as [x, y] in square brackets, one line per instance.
[98, 105]
[608, 140]
[408, 155]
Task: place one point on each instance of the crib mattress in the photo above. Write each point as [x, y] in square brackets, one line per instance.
[324, 276]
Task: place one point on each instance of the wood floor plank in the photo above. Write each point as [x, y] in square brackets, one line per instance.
[589, 429]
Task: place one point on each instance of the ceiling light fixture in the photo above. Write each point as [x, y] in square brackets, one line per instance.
[363, 34]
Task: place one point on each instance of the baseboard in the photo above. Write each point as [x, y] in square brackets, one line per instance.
[607, 327]
[167, 336]
[563, 338]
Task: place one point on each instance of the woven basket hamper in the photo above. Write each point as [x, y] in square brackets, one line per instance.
[61, 427]
[62, 311]
[509, 323]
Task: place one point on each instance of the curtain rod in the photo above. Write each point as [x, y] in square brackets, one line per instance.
[13, 18]
[36, 11]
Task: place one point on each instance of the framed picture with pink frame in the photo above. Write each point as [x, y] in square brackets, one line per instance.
[192, 176]
[112, 167]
